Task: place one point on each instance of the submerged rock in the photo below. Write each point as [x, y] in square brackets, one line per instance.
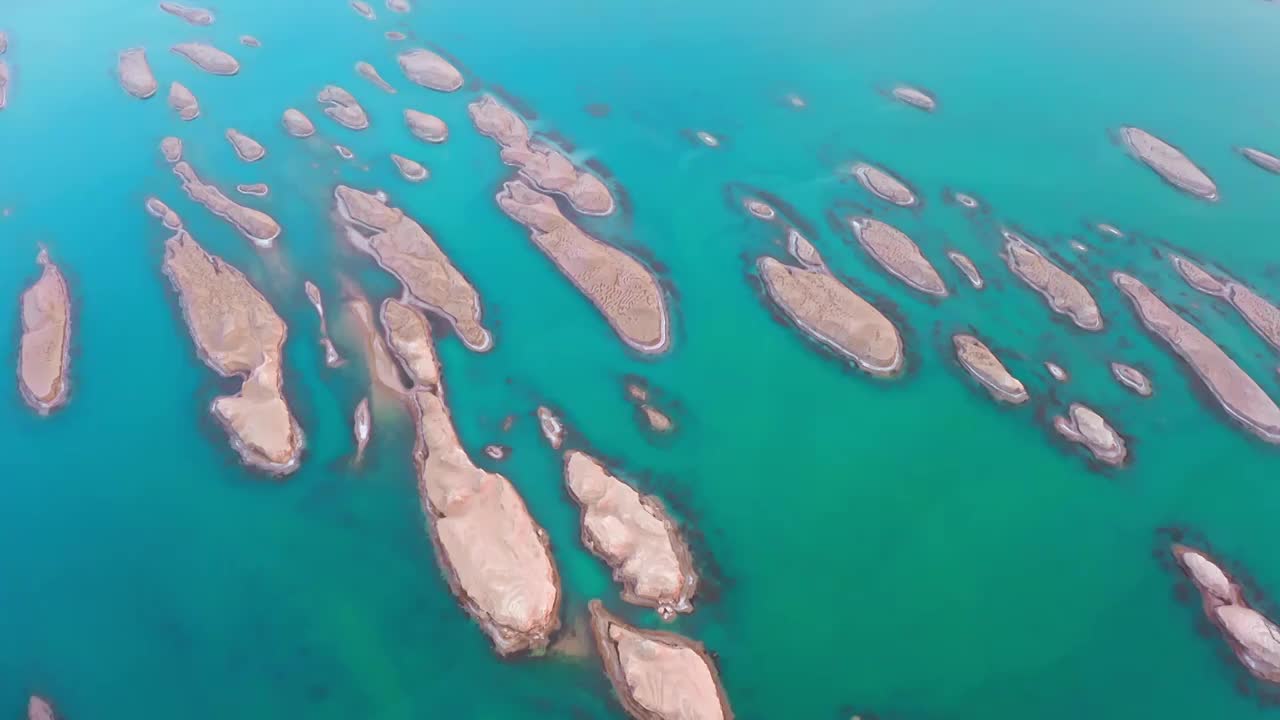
[39, 709]
[618, 285]
[364, 9]
[395, 35]
[1169, 163]
[884, 185]
[331, 357]
[343, 107]
[255, 189]
[158, 209]
[966, 266]
[915, 97]
[760, 209]
[795, 101]
[1238, 393]
[548, 169]
[171, 149]
[370, 73]
[834, 315]
[250, 41]
[297, 124]
[1197, 278]
[1132, 378]
[247, 149]
[195, 16]
[135, 73]
[1083, 425]
[1264, 160]
[658, 675]
[426, 127]
[707, 138]
[44, 355]
[404, 249]
[899, 255]
[429, 70]
[183, 101]
[411, 170]
[634, 535]
[983, 365]
[1056, 372]
[237, 333]
[361, 427]
[1065, 294]
[208, 58]
[552, 428]
[257, 226]
[409, 337]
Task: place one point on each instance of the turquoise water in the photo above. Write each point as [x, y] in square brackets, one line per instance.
[901, 549]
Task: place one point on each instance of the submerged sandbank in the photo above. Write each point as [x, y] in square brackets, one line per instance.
[44, 354]
[1264, 160]
[361, 428]
[915, 97]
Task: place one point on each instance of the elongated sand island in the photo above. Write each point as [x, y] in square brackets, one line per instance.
[884, 185]
[1253, 637]
[404, 249]
[44, 356]
[1198, 278]
[410, 170]
[382, 367]
[370, 73]
[1065, 294]
[237, 333]
[426, 127]
[429, 70]
[183, 101]
[39, 709]
[135, 73]
[1261, 315]
[361, 428]
[364, 9]
[254, 189]
[658, 675]
[1132, 378]
[827, 311]
[634, 535]
[915, 97]
[620, 287]
[157, 209]
[409, 337]
[208, 58]
[257, 226]
[966, 266]
[297, 124]
[399, 6]
[1264, 160]
[898, 254]
[1169, 163]
[987, 369]
[343, 107]
[1085, 426]
[548, 169]
[1238, 393]
[247, 149]
[195, 16]
[4, 84]
[799, 247]
[331, 357]
[250, 41]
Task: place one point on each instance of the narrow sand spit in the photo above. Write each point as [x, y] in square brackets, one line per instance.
[44, 355]
[411, 170]
[1065, 294]
[195, 16]
[247, 149]
[899, 255]
[331, 357]
[343, 107]
[208, 58]
[1083, 425]
[257, 226]
[884, 185]
[429, 70]
[370, 73]
[426, 127]
[361, 428]
[382, 367]
[987, 369]
[1264, 160]
[915, 97]
[967, 267]
[297, 124]
[1169, 163]
[135, 73]
[183, 101]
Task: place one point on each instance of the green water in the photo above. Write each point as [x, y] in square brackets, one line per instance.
[906, 549]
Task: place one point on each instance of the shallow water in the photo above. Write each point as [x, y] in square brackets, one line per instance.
[906, 549]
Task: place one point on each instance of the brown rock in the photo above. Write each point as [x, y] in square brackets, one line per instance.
[250, 41]
[411, 170]
[247, 149]
[331, 357]
[370, 73]
[39, 709]
[255, 189]
[658, 675]
[343, 107]
[195, 16]
[168, 217]
[429, 70]
[297, 124]
[364, 9]
[1132, 378]
[135, 73]
[409, 337]
[1065, 294]
[1197, 278]
[1264, 160]
[552, 428]
[621, 288]
[183, 101]
[361, 427]
[884, 185]
[255, 225]
[426, 127]
[984, 366]
[237, 333]
[405, 250]
[44, 357]
[899, 255]
[967, 267]
[208, 58]
[915, 97]
[1169, 163]
[1238, 394]
[1083, 425]
[834, 315]
[171, 148]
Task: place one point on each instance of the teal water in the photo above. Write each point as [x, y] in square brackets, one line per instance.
[905, 549]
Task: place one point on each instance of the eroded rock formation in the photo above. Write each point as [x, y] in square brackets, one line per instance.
[44, 355]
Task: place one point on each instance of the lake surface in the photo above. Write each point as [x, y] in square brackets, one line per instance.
[896, 549]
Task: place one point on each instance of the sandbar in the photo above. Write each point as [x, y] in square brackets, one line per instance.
[1083, 425]
[208, 58]
[551, 426]
[1065, 294]
[257, 226]
[1169, 163]
[618, 285]
[1264, 160]
[171, 149]
[425, 126]
[898, 254]
[237, 333]
[331, 357]
[967, 201]
[1132, 378]
[4, 84]
[361, 427]
[1056, 371]
[834, 315]
[987, 369]
[183, 101]
[1236, 392]
[250, 41]
[884, 185]
[195, 16]
[135, 73]
[707, 138]
[255, 189]
[915, 97]
[343, 107]
[297, 124]
[158, 209]
[44, 356]
[247, 149]
[966, 266]
[411, 170]
[429, 70]
[760, 209]
[370, 73]
[39, 709]
[409, 337]
[364, 9]
[1198, 278]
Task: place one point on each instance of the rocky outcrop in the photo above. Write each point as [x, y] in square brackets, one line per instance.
[343, 107]
[1065, 294]
[429, 70]
[247, 149]
[208, 58]
[44, 355]
[361, 427]
[658, 675]
[370, 73]
[135, 73]
[1169, 163]
[1197, 278]
[548, 169]
[171, 149]
[1264, 160]
[1056, 372]
[1083, 425]
[1132, 378]
[257, 226]
[364, 9]
[898, 254]
[167, 217]
[834, 315]
[237, 333]
[426, 127]
[760, 209]
[297, 124]
[195, 16]
[987, 369]
[915, 97]
[884, 185]
[404, 249]
[621, 288]
[966, 266]
[634, 535]
[254, 189]
[183, 101]
[331, 357]
[1238, 393]
[409, 337]
[39, 709]
[551, 426]
[410, 170]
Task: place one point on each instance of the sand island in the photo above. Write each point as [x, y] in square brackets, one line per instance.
[370, 73]
[410, 170]
[208, 58]
[1132, 378]
[429, 70]
[898, 254]
[1169, 163]
[884, 185]
[44, 355]
[183, 101]
[965, 200]
[619, 286]
[171, 149]
[426, 127]
[1198, 278]
[135, 73]
[657, 420]
[331, 357]
[343, 107]
[361, 427]
[167, 217]
[1056, 371]
[4, 84]
[707, 139]
[987, 369]
[1065, 294]
[1264, 160]
[250, 41]
[915, 97]
[237, 333]
[297, 124]
[759, 209]
[966, 266]
[1083, 425]
[195, 16]
[247, 149]
[551, 426]
[399, 6]
[39, 709]
[799, 247]
[344, 152]
[254, 189]
[364, 9]
[257, 226]
[409, 337]
[1261, 315]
